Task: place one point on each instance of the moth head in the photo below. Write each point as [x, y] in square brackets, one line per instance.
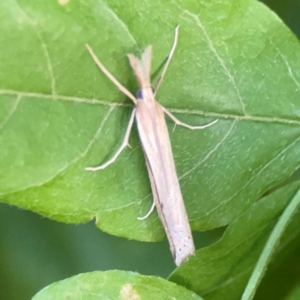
[140, 94]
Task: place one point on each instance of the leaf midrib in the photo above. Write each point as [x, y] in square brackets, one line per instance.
[262, 119]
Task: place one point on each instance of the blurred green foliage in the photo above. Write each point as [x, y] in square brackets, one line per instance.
[36, 252]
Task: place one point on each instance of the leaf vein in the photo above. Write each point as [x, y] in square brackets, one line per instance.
[220, 60]
[263, 119]
[81, 155]
[11, 112]
[210, 152]
[120, 21]
[290, 72]
[44, 49]
[256, 175]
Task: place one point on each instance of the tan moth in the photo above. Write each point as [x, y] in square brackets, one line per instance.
[157, 149]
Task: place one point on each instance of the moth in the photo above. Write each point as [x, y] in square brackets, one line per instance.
[157, 149]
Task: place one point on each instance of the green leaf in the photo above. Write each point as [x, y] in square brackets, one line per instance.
[224, 269]
[114, 285]
[235, 62]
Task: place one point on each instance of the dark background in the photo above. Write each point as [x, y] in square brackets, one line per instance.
[36, 252]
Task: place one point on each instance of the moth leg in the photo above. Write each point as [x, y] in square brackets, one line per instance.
[177, 122]
[123, 146]
[148, 213]
[109, 75]
[161, 77]
[154, 192]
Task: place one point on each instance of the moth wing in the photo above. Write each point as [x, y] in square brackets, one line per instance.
[142, 67]
[164, 181]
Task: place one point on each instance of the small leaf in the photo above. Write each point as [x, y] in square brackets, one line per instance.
[114, 285]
